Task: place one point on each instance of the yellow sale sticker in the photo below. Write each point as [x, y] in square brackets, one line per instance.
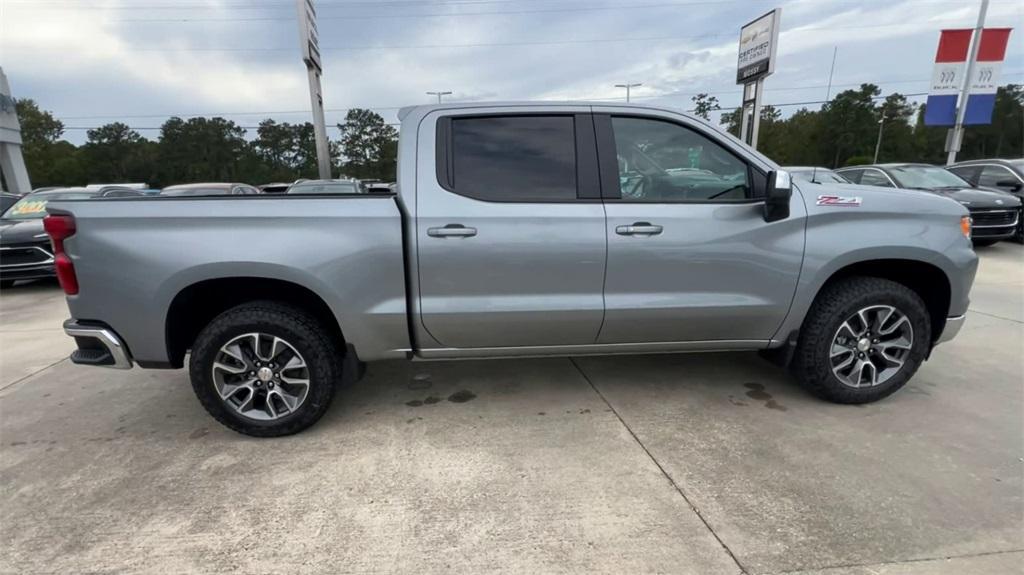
[29, 208]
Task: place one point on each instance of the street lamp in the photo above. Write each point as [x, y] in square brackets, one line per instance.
[878, 144]
[439, 94]
[627, 87]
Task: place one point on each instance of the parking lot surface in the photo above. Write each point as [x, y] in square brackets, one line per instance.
[705, 464]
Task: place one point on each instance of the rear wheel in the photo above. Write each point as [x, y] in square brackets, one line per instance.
[863, 339]
[265, 369]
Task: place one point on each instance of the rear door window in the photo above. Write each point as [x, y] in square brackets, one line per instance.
[514, 158]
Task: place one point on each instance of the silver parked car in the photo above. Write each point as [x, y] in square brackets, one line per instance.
[519, 230]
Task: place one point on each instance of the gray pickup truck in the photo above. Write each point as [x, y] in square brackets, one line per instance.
[517, 230]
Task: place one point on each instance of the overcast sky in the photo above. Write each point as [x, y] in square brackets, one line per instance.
[141, 61]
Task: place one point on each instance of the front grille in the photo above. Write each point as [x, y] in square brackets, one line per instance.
[990, 218]
[24, 255]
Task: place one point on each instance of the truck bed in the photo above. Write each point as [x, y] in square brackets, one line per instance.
[135, 257]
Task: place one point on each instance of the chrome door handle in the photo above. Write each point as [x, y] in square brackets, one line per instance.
[639, 229]
[452, 231]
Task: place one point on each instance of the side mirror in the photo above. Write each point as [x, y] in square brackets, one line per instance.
[1013, 185]
[776, 201]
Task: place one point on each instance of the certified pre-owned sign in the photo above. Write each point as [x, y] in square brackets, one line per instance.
[758, 42]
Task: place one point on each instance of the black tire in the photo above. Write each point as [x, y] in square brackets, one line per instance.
[309, 337]
[839, 301]
[983, 243]
[6, 284]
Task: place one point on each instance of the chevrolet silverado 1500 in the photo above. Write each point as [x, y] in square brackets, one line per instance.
[517, 230]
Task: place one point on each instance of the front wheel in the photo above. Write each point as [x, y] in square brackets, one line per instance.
[862, 340]
[265, 369]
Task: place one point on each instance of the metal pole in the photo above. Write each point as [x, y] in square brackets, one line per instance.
[961, 110]
[756, 119]
[878, 144]
[323, 151]
[828, 91]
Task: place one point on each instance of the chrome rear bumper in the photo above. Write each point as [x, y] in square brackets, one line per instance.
[97, 346]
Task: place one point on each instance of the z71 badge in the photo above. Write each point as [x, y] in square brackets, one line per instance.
[839, 201]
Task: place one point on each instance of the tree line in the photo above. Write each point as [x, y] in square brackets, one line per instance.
[843, 132]
[202, 150]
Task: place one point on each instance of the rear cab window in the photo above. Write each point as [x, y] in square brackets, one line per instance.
[509, 158]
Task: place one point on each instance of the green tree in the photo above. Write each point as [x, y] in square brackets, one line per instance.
[115, 153]
[850, 124]
[368, 145]
[202, 149]
[704, 104]
[40, 132]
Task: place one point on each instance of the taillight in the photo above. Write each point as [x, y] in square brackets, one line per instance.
[965, 226]
[61, 227]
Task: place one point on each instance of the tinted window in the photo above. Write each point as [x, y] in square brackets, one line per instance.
[514, 158]
[875, 178]
[852, 175]
[969, 173]
[665, 162]
[992, 175]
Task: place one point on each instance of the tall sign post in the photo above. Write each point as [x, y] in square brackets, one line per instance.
[12, 165]
[309, 43]
[759, 41]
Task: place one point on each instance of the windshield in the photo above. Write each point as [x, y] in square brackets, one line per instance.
[33, 206]
[190, 191]
[324, 188]
[819, 176]
[926, 177]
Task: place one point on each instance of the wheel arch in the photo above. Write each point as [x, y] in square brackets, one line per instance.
[926, 279]
[197, 304]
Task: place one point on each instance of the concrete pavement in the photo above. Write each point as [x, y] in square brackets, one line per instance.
[674, 464]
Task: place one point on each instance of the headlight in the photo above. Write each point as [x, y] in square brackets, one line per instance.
[965, 226]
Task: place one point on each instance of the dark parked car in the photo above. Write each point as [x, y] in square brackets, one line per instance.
[995, 215]
[25, 251]
[7, 200]
[1002, 175]
[275, 187]
[210, 189]
[815, 175]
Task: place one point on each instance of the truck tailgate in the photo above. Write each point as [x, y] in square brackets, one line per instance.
[133, 256]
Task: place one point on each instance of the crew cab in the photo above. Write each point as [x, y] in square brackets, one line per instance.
[517, 230]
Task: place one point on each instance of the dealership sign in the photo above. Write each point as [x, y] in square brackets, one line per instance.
[950, 69]
[309, 40]
[758, 42]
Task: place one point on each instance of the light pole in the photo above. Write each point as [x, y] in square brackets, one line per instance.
[878, 144]
[627, 87]
[439, 94]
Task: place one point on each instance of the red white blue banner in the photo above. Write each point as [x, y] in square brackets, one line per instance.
[948, 76]
[982, 99]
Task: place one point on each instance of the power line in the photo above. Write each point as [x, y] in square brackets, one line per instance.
[446, 14]
[731, 34]
[711, 92]
[724, 109]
